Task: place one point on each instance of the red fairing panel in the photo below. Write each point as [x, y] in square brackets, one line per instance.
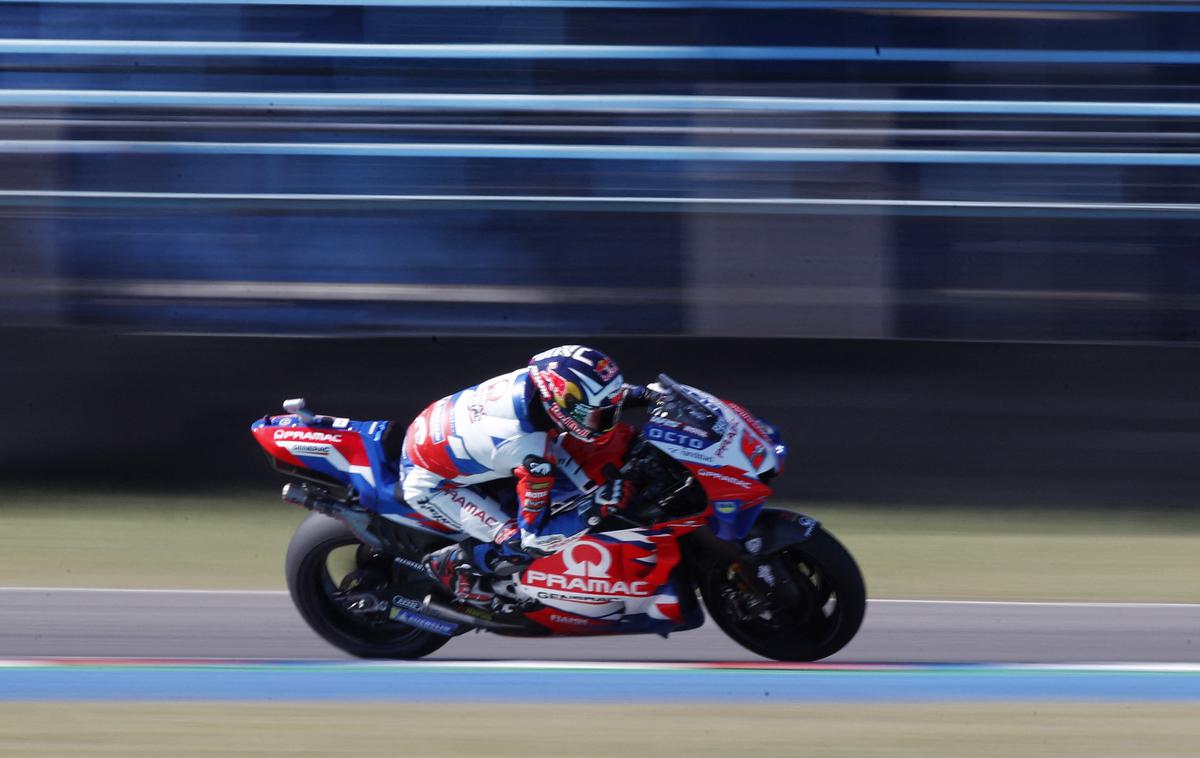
[605, 569]
[729, 483]
[277, 440]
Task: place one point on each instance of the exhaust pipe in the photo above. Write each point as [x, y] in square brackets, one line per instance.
[483, 620]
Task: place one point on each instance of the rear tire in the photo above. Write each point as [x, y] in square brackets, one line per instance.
[314, 587]
[832, 600]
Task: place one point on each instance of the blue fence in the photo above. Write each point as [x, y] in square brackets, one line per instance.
[978, 170]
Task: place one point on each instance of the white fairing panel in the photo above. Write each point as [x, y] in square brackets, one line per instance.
[736, 439]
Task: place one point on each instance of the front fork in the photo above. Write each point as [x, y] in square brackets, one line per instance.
[762, 582]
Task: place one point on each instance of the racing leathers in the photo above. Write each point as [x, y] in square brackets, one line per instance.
[496, 430]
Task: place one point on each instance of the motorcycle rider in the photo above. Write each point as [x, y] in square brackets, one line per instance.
[558, 415]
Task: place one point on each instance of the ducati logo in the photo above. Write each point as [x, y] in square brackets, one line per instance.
[589, 565]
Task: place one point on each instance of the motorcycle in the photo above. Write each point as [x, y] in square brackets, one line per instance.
[773, 580]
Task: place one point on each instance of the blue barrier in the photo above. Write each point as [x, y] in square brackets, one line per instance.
[673, 147]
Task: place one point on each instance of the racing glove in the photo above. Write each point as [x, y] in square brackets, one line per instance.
[612, 496]
[535, 479]
[640, 396]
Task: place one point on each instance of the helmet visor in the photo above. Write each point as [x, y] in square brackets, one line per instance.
[599, 419]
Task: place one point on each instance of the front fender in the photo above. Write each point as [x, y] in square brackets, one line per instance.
[776, 529]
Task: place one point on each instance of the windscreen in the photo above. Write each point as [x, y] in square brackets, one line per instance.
[685, 406]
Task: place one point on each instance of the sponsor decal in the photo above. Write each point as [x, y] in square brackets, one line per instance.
[710, 474]
[539, 468]
[560, 388]
[606, 369]
[576, 352]
[692, 455]
[675, 437]
[549, 544]
[725, 443]
[478, 613]
[323, 451]
[569, 620]
[479, 513]
[417, 566]
[400, 601]
[341, 423]
[425, 623]
[727, 507]
[753, 422]
[468, 508]
[303, 435]
[570, 424]
[587, 570]
[475, 412]
[754, 450]
[436, 516]
[583, 567]
[589, 585]
[588, 599]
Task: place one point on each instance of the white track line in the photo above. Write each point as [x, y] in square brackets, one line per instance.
[142, 591]
[879, 601]
[1037, 603]
[617, 666]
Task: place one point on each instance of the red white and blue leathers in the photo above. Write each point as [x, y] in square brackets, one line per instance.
[484, 433]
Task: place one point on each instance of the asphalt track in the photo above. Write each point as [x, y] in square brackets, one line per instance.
[57, 623]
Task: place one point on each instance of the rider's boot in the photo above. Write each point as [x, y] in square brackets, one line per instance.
[467, 568]
[454, 567]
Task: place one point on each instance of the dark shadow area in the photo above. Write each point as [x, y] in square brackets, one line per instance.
[868, 421]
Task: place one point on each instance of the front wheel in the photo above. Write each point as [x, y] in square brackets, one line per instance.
[336, 584]
[804, 603]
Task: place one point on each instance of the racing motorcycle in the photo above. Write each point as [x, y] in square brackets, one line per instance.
[774, 580]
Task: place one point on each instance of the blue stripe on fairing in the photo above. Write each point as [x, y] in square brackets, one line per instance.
[589, 52]
[678, 4]
[603, 152]
[585, 103]
[456, 684]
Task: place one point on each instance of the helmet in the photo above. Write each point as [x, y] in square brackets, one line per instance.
[581, 389]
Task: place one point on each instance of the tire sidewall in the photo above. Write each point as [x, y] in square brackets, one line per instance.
[823, 548]
[316, 536]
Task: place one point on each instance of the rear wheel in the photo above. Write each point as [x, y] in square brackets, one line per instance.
[804, 603]
[342, 589]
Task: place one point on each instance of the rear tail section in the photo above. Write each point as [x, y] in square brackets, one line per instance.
[323, 449]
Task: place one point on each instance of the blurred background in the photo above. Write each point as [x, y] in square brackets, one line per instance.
[949, 247]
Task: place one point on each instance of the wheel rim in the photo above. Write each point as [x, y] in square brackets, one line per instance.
[345, 569]
[803, 616]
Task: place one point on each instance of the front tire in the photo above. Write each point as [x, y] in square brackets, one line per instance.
[813, 619]
[315, 582]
